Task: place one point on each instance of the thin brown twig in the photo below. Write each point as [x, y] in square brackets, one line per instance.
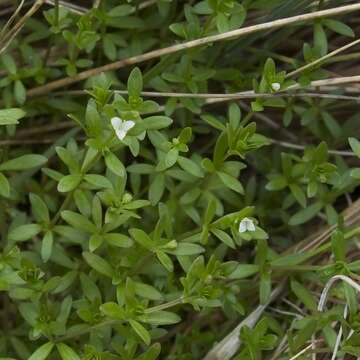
[302, 147]
[249, 94]
[31, 141]
[96, 4]
[7, 39]
[322, 59]
[332, 81]
[208, 101]
[146, 4]
[26, 142]
[11, 19]
[345, 57]
[191, 44]
[80, 10]
[76, 9]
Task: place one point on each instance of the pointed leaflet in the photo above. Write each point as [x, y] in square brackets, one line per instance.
[42, 352]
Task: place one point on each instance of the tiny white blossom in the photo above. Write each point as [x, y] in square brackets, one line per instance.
[246, 224]
[121, 127]
[275, 86]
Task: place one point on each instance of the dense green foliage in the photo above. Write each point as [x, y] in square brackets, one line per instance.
[135, 229]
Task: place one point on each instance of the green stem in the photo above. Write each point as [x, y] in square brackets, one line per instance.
[63, 206]
[247, 118]
[352, 233]
[87, 330]
[297, 267]
[167, 305]
[56, 12]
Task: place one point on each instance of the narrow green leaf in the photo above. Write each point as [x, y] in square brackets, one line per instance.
[355, 146]
[66, 352]
[118, 240]
[24, 232]
[78, 221]
[114, 164]
[135, 82]
[355, 173]
[231, 182]
[303, 295]
[4, 186]
[113, 311]
[142, 238]
[95, 241]
[141, 331]
[243, 271]
[224, 237]
[39, 208]
[187, 249]
[99, 264]
[151, 353]
[69, 183]
[160, 318]
[147, 291]
[156, 122]
[190, 166]
[11, 116]
[42, 352]
[339, 27]
[98, 181]
[298, 194]
[165, 260]
[157, 188]
[47, 246]
[306, 214]
[276, 183]
[23, 162]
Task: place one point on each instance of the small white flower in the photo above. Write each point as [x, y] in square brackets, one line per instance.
[275, 86]
[246, 224]
[121, 127]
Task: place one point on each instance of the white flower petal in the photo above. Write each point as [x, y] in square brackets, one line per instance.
[275, 86]
[127, 125]
[116, 122]
[242, 226]
[121, 127]
[246, 224]
[250, 226]
[120, 134]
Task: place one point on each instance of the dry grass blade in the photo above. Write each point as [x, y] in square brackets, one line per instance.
[11, 20]
[339, 336]
[191, 44]
[249, 94]
[321, 306]
[332, 81]
[330, 283]
[226, 348]
[7, 39]
[303, 351]
[96, 4]
[80, 10]
[323, 58]
[76, 9]
[302, 147]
